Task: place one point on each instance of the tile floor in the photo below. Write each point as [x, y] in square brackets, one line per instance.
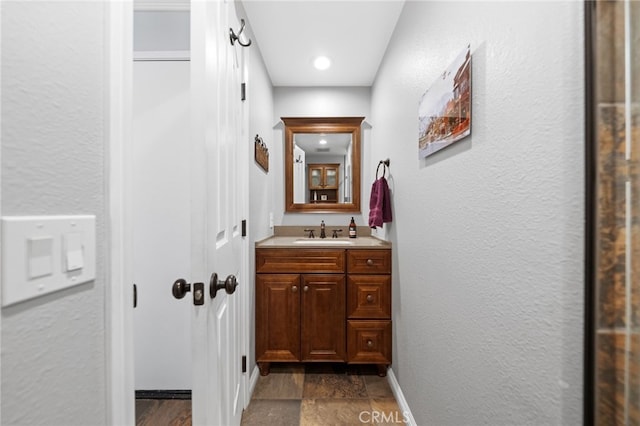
[322, 394]
[298, 395]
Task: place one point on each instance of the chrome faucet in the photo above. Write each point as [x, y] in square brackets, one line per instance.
[322, 234]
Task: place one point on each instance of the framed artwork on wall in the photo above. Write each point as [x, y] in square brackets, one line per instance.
[444, 112]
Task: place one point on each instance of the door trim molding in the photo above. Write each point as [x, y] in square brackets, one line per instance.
[118, 294]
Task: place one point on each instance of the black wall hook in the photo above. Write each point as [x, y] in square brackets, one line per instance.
[233, 37]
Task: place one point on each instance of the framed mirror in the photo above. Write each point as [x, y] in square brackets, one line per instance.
[322, 164]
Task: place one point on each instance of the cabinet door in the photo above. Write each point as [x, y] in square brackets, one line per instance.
[331, 177]
[316, 180]
[323, 318]
[277, 317]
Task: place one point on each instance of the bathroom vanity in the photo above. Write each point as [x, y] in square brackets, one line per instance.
[323, 300]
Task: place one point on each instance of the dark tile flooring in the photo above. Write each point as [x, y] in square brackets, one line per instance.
[321, 394]
[299, 395]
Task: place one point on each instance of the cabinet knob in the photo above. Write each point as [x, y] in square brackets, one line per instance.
[369, 298]
[294, 288]
[306, 288]
[369, 343]
[370, 262]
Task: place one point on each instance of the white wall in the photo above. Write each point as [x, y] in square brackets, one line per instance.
[262, 185]
[488, 233]
[321, 102]
[161, 223]
[53, 162]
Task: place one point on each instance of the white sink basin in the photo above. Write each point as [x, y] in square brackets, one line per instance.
[328, 241]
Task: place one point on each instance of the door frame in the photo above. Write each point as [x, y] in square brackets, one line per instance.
[119, 294]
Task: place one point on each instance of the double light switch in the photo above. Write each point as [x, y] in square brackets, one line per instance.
[43, 254]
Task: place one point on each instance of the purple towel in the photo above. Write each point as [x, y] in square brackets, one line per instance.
[380, 203]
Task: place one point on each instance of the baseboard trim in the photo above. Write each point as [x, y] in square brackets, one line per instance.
[253, 380]
[164, 394]
[402, 402]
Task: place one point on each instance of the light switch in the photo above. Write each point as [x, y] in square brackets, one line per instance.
[72, 244]
[40, 256]
[44, 254]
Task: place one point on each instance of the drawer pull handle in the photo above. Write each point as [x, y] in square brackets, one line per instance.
[370, 262]
[294, 288]
[369, 343]
[306, 288]
[369, 298]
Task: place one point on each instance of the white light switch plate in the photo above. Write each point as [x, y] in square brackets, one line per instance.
[43, 254]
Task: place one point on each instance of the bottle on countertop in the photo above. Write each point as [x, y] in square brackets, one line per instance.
[352, 228]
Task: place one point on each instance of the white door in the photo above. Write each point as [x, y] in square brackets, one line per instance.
[190, 187]
[219, 164]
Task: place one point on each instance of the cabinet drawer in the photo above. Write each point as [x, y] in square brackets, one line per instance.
[369, 296]
[369, 342]
[369, 261]
[300, 260]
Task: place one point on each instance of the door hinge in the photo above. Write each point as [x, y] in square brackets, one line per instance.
[243, 91]
[244, 363]
[244, 227]
[135, 296]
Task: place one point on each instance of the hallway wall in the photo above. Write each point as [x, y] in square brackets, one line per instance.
[261, 184]
[53, 162]
[488, 233]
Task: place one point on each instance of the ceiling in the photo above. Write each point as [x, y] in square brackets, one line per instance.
[336, 143]
[353, 34]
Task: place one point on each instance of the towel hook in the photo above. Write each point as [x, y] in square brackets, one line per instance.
[233, 37]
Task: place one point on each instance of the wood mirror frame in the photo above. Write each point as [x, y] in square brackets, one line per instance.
[293, 125]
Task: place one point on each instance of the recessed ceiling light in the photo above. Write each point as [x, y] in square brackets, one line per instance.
[323, 142]
[322, 63]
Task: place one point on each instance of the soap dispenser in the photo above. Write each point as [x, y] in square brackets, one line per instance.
[352, 228]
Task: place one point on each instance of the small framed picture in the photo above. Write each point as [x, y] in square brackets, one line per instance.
[323, 197]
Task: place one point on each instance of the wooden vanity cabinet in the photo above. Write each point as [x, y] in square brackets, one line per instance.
[323, 305]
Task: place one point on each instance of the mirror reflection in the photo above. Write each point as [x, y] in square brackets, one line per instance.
[322, 164]
[321, 168]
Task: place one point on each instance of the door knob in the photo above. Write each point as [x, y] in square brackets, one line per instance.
[229, 284]
[180, 288]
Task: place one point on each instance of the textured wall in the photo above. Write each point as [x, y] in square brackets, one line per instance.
[261, 184]
[53, 162]
[488, 233]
